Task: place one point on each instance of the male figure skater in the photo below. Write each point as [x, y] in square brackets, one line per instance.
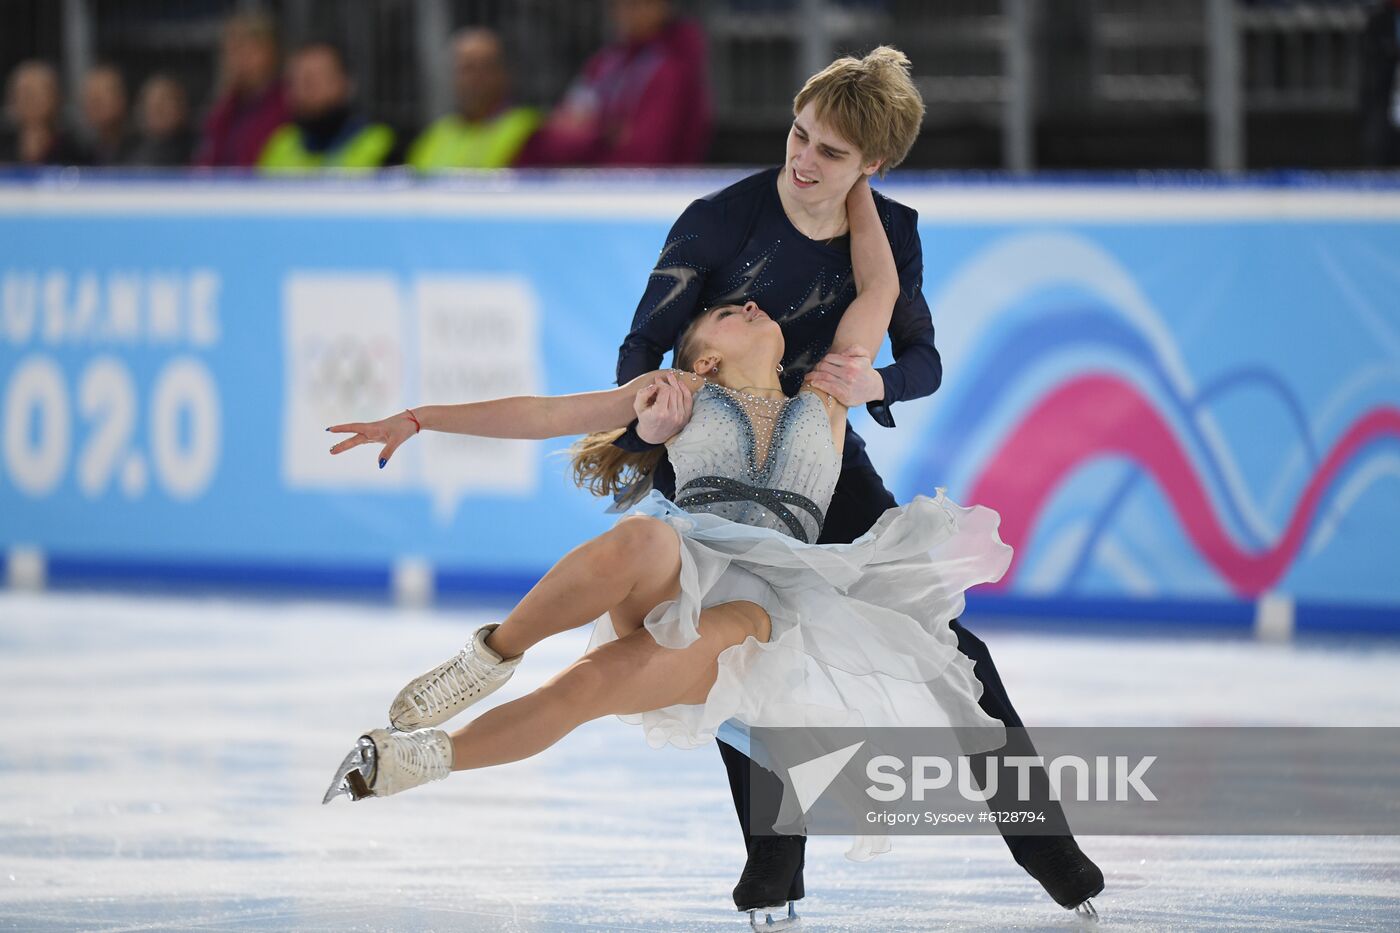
[779, 238]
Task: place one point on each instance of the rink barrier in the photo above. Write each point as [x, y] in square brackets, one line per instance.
[231, 577]
[412, 582]
[242, 267]
[1273, 617]
[408, 581]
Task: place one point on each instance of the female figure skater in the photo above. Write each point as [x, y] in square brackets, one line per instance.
[778, 238]
[718, 606]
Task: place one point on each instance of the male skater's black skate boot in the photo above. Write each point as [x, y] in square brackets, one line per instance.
[772, 882]
[1064, 871]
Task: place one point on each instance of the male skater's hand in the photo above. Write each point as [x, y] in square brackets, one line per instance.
[848, 377]
[662, 408]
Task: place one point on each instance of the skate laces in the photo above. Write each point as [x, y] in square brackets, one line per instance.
[455, 681]
[418, 753]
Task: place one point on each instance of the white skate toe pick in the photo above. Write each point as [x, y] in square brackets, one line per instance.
[449, 688]
[384, 763]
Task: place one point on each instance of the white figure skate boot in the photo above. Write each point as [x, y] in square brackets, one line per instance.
[384, 763]
[451, 687]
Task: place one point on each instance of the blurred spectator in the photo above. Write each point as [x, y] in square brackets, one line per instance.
[164, 116]
[644, 100]
[485, 132]
[252, 102]
[1380, 85]
[325, 132]
[107, 135]
[32, 134]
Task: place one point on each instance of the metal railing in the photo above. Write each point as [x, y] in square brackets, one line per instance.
[984, 60]
[1301, 56]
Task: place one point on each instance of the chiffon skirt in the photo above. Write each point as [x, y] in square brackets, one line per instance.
[860, 633]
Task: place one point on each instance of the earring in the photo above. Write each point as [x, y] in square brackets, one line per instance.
[780, 369]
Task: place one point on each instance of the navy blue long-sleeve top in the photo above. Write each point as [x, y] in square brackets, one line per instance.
[737, 245]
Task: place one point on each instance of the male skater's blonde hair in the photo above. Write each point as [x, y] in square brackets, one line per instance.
[871, 101]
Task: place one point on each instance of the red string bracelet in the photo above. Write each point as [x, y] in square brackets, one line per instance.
[417, 426]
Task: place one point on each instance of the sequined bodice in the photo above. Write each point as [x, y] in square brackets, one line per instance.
[730, 462]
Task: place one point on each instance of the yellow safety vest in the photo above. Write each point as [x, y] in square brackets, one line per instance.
[452, 142]
[285, 150]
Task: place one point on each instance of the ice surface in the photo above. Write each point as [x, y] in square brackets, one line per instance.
[163, 763]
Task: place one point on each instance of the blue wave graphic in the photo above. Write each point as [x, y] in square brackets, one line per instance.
[1099, 328]
[1239, 379]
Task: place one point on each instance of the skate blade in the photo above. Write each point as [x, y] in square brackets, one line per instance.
[352, 779]
[775, 918]
[1087, 914]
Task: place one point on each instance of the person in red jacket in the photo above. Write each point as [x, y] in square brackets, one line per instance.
[252, 102]
[644, 100]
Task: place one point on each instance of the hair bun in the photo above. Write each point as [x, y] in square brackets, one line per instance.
[887, 56]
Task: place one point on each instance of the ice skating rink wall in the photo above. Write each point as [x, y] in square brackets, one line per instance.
[1183, 397]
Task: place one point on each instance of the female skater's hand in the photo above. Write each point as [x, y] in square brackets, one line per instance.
[391, 432]
[662, 408]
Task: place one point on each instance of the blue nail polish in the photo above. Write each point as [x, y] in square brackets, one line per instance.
[327, 429]
[382, 461]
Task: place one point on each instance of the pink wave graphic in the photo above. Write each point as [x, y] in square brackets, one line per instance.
[1096, 415]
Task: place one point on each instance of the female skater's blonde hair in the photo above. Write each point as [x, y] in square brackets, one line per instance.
[871, 101]
[605, 469]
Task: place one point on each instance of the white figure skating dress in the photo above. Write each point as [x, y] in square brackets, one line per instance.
[860, 632]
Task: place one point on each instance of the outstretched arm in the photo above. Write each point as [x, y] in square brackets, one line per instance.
[523, 417]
